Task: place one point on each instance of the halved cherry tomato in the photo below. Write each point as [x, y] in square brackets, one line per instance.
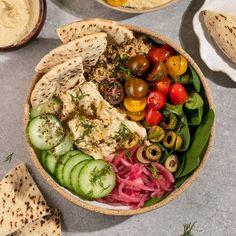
[156, 55]
[156, 100]
[169, 49]
[178, 94]
[117, 3]
[163, 85]
[134, 105]
[153, 117]
[136, 88]
[176, 65]
[159, 72]
[136, 116]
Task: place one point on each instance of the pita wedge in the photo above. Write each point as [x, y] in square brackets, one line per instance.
[47, 225]
[20, 201]
[89, 48]
[222, 28]
[58, 80]
[116, 32]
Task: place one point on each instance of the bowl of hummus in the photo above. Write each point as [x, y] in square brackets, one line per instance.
[20, 22]
[136, 6]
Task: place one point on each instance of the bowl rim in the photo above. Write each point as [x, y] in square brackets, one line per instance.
[137, 11]
[118, 212]
[34, 33]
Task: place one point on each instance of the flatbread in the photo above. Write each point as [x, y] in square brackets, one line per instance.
[20, 201]
[58, 80]
[75, 30]
[89, 48]
[49, 225]
[222, 28]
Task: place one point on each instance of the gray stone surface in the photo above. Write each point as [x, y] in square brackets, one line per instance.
[211, 200]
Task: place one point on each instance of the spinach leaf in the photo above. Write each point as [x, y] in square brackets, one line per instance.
[180, 181]
[176, 109]
[195, 117]
[194, 101]
[155, 200]
[184, 133]
[181, 166]
[195, 79]
[165, 154]
[190, 165]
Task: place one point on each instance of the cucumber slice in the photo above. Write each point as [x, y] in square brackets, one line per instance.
[44, 159]
[51, 163]
[53, 106]
[65, 146]
[70, 164]
[61, 163]
[45, 132]
[74, 177]
[96, 179]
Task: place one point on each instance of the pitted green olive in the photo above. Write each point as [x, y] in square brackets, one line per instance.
[153, 152]
[156, 134]
[169, 122]
[172, 163]
[169, 139]
[132, 141]
[140, 156]
[178, 143]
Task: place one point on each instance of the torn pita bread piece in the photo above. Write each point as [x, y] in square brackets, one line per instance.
[222, 28]
[75, 30]
[61, 78]
[47, 225]
[21, 202]
[89, 48]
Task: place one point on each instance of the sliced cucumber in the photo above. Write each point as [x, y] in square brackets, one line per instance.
[45, 132]
[96, 179]
[75, 175]
[53, 106]
[44, 159]
[65, 146]
[70, 164]
[51, 163]
[61, 163]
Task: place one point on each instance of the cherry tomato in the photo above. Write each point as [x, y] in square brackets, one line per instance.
[156, 55]
[134, 105]
[169, 49]
[176, 65]
[136, 88]
[138, 64]
[136, 116]
[163, 86]
[159, 72]
[156, 100]
[178, 94]
[117, 3]
[153, 117]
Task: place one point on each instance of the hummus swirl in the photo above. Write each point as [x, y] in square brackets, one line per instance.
[17, 19]
[143, 4]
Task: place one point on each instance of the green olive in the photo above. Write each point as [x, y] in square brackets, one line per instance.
[172, 163]
[169, 122]
[140, 156]
[156, 134]
[153, 152]
[178, 143]
[132, 141]
[169, 139]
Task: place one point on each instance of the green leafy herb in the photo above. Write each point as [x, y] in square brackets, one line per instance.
[128, 154]
[9, 158]
[195, 117]
[176, 109]
[195, 79]
[153, 170]
[121, 66]
[194, 101]
[80, 96]
[122, 133]
[87, 128]
[188, 229]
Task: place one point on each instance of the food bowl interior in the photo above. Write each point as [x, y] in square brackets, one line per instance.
[123, 210]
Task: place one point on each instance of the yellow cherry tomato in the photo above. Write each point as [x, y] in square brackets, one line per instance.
[117, 3]
[176, 65]
[134, 105]
[136, 116]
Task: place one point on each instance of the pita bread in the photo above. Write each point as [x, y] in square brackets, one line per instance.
[222, 28]
[20, 201]
[58, 80]
[116, 32]
[49, 225]
[89, 48]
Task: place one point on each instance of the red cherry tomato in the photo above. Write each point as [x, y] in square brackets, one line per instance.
[169, 49]
[156, 100]
[156, 55]
[153, 117]
[178, 94]
[163, 85]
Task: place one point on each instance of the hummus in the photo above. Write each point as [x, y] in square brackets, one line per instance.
[17, 20]
[143, 4]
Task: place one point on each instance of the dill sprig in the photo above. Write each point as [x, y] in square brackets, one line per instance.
[122, 133]
[80, 96]
[188, 229]
[9, 158]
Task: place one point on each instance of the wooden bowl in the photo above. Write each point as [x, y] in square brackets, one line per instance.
[110, 210]
[136, 11]
[34, 33]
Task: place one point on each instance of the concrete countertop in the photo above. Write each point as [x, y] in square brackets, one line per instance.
[210, 201]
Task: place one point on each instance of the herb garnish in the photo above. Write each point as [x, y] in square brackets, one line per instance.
[188, 229]
[121, 65]
[128, 154]
[153, 170]
[80, 96]
[9, 158]
[122, 133]
[87, 129]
